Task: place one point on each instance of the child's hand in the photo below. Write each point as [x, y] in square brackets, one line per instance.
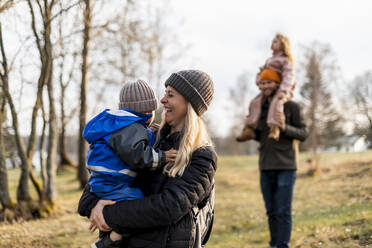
[154, 127]
[281, 95]
[170, 155]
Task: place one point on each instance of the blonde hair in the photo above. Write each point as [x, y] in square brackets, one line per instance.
[195, 135]
[286, 46]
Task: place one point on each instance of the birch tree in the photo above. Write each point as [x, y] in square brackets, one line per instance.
[87, 17]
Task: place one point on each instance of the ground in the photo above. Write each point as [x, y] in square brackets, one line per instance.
[333, 209]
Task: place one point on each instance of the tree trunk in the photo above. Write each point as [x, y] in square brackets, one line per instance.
[4, 190]
[52, 137]
[43, 80]
[64, 158]
[32, 140]
[314, 120]
[82, 171]
[43, 173]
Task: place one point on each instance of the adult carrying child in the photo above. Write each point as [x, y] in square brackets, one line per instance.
[278, 68]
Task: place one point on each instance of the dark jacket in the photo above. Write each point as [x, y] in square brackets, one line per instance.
[280, 155]
[164, 218]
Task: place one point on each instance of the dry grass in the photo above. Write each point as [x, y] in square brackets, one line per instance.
[65, 229]
[333, 209]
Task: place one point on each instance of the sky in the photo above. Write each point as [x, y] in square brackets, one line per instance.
[228, 38]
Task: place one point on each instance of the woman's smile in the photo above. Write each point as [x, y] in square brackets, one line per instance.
[175, 108]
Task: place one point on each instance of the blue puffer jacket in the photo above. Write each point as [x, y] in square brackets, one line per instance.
[110, 176]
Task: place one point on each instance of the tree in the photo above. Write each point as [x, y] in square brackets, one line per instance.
[52, 135]
[82, 171]
[45, 48]
[67, 58]
[23, 193]
[5, 199]
[135, 42]
[240, 95]
[324, 121]
[155, 40]
[361, 94]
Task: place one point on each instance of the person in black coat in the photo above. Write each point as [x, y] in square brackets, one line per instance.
[165, 216]
[277, 163]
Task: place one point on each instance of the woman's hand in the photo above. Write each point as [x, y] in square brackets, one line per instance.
[96, 216]
[170, 155]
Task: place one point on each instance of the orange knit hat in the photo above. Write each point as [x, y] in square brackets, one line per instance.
[269, 74]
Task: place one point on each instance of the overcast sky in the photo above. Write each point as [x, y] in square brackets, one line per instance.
[230, 37]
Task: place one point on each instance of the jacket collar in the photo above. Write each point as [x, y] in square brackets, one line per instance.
[171, 138]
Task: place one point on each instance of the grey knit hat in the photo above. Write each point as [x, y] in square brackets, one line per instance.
[196, 86]
[138, 96]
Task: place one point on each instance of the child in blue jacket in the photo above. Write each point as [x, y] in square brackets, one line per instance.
[120, 145]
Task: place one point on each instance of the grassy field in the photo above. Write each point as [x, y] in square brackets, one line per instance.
[333, 209]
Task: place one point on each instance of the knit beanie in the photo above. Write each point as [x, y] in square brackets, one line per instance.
[196, 86]
[269, 74]
[138, 96]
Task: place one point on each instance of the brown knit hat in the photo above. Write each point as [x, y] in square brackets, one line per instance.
[138, 96]
[196, 86]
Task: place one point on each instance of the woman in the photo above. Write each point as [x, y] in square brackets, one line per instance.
[165, 217]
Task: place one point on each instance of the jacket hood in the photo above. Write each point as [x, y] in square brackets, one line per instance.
[110, 121]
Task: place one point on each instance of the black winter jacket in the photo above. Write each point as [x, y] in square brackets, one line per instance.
[164, 218]
[280, 155]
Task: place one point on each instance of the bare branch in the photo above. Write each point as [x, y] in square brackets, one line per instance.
[40, 8]
[63, 11]
[4, 60]
[6, 5]
[22, 45]
[33, 25]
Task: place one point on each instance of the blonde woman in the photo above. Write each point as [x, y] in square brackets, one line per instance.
[279, 68]
[165, 217]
